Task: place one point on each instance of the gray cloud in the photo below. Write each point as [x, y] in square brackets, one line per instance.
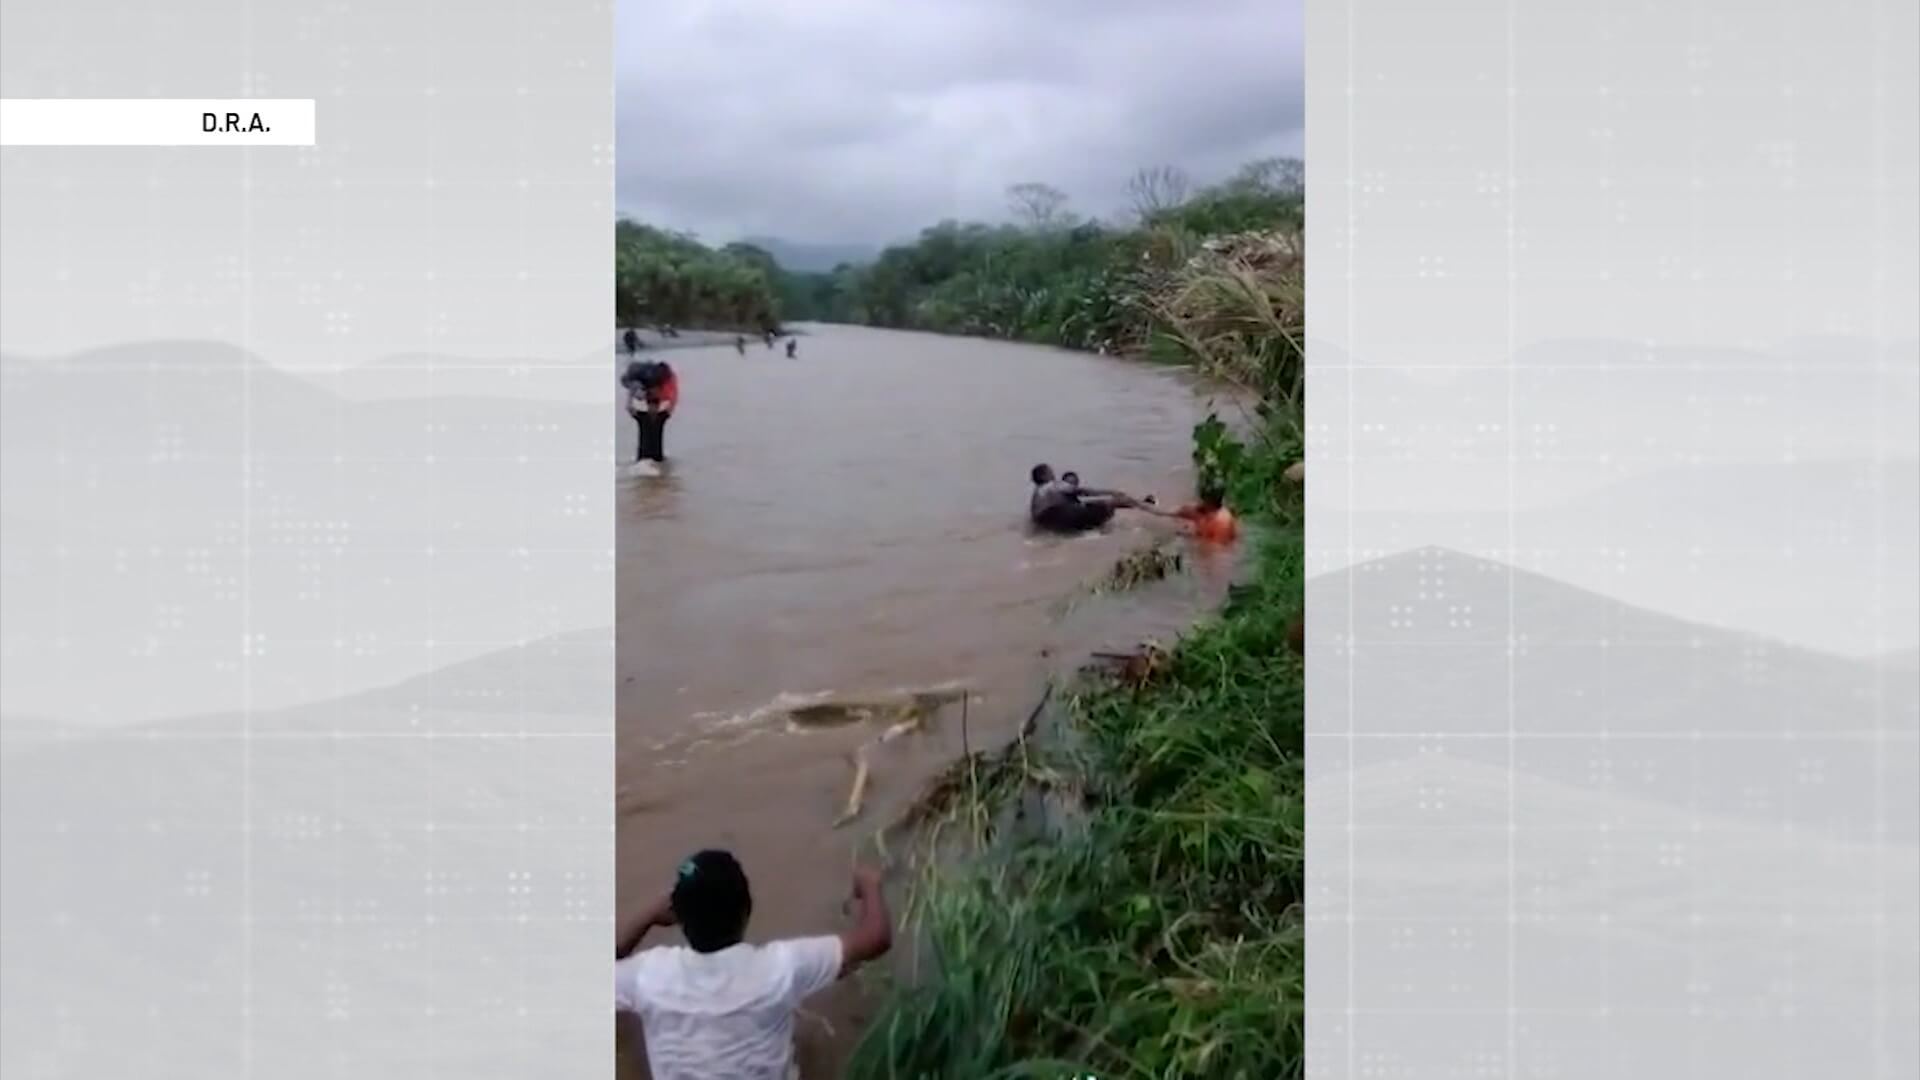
[866, 120]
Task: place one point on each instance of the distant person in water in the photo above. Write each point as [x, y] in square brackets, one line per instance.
[740, 344]
[1060, 505]
[793, 348]
[632, 341]
[717, 1006]
[653, 392]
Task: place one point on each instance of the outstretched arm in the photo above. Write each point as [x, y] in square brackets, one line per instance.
[659, 913]
[872, 935]
[1118, 498]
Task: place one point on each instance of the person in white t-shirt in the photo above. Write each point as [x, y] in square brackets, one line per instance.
[719, 1008]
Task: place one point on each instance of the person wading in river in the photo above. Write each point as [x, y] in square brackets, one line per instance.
[632, 341]
[1208, 520]
[718, 1007]
[653, 392]
[1060, 505]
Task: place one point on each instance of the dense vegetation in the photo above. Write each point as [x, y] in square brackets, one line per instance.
[663, 278]
[1164, 940]
[1163, 937]
[1051, 278]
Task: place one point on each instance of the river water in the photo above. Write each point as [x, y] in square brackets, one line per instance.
[845, 526]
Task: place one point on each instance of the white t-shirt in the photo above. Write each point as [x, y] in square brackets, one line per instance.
[724, 1015]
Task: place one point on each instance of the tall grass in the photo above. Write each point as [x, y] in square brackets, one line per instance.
[1164, 938]
[1234, 310]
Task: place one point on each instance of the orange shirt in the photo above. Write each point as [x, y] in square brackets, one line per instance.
[670, 392]
[1215, 526]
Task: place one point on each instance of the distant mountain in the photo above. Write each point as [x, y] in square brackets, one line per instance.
[165, 499]
[1502, 666]
[1692, 541]
[811, 258]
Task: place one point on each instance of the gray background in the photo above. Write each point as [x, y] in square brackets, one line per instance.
[1611, 680]
[306, 532]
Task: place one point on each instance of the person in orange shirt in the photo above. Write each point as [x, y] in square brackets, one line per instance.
[1208, 520]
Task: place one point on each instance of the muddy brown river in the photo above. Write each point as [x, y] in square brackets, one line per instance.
[832, 535]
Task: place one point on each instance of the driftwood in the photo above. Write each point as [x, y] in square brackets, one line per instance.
[904, 715]
[943, 789]
[857, 797]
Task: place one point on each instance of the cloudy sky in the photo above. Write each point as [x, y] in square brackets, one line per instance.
[866, 120]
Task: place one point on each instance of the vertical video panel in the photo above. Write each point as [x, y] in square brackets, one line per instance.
[957, 400]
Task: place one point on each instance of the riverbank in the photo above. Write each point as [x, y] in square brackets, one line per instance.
[1159, 934]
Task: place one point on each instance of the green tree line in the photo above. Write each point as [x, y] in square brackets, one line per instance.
[1050, 277]
[668, 278]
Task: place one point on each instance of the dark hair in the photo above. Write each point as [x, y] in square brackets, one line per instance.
[1070, 477]
[1041, 473]
[1212, 496]
[711, 901]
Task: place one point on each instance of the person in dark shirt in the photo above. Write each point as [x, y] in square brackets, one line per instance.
[632, 341]
[1062, 505]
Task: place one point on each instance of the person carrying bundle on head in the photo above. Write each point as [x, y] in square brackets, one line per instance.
[653, 392]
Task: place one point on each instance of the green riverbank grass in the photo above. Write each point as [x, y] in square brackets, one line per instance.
[1163, 937]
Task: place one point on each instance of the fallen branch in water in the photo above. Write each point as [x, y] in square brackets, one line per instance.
[942, 792]
[1149, 564]
[856, 799]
